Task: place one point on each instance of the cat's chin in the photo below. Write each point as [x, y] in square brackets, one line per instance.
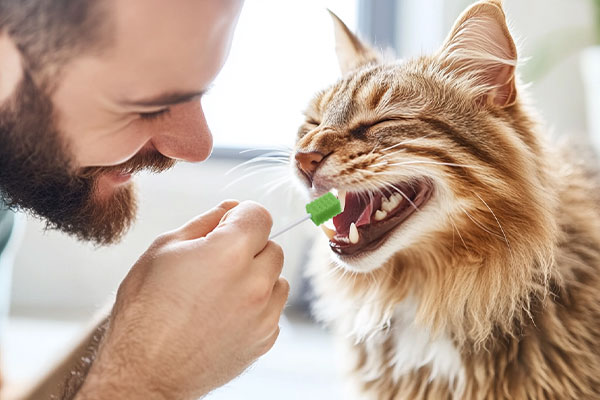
[369, 219]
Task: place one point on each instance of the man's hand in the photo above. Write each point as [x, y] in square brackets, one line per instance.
[198, 307]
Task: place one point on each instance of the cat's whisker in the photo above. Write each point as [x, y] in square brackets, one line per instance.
[277, 183]
[379, 164]
[373, 149]
[275, 179]
[277, 157]
[393, 153]
[403, 195]
[405, 142]
[259, 159]
[409, 200]
[389, 275]
[274, 153]
[250, 174]
[379, 190]
[339, 271]
[479, 224]
[267, 157]
[459, 235]
[270, 169]
[276, 148]
[363, 196]
[498, 222]
[371, 277]
[392, 147]
[267, 166]
[389, 185]
[434, 163]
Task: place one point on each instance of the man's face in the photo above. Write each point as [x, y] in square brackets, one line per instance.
[135, 106]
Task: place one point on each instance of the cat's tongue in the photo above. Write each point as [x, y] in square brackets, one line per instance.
[358, 209]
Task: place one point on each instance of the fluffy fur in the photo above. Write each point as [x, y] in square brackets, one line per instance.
[492, 289]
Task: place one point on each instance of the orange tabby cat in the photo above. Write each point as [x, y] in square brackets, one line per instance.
[466, 263]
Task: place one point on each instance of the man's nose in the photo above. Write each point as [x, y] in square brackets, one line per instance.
[187, 136]
[308, 162]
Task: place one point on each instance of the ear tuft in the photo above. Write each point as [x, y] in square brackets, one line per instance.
[480, 47]
[351, 52]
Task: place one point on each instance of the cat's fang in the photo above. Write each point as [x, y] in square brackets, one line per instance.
[353, 234]
[330, 233]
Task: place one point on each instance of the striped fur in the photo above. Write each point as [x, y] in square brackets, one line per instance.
[500, 270]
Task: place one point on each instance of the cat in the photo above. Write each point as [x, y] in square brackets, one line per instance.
[466, 262]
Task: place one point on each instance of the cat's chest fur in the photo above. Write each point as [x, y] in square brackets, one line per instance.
[394, 344]
[414, 347]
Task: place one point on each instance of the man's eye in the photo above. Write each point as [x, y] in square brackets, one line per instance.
[155, 114]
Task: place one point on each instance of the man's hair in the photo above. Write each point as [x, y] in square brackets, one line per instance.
[49, 33]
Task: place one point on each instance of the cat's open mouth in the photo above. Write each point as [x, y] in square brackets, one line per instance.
[368, 217]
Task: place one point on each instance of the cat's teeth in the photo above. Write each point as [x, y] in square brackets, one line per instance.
[342, 198]
[328, 232]
[353, 234]
[386, 205]
[380, 215]
[394, 201]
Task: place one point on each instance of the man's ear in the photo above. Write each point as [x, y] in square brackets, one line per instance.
[351, 52]
[480, 47]
[11, 69]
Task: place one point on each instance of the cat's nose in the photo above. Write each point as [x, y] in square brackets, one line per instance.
[309, 162]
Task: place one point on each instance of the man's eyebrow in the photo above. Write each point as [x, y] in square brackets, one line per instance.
[167, 99]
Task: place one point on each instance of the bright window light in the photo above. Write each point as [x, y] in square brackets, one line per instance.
[283, 52]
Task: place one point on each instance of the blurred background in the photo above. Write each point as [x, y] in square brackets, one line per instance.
[282, 54]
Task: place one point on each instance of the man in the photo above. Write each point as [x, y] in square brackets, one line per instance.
[92, 91]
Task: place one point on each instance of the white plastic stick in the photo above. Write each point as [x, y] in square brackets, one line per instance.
[287, 228]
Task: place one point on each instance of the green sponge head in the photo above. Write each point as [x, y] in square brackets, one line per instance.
[324, 208]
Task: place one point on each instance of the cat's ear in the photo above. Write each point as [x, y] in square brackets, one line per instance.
[480, 46]
[351, 52]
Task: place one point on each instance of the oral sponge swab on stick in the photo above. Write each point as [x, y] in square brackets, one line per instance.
[319, 210]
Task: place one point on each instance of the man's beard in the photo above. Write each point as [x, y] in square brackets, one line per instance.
[37, 174]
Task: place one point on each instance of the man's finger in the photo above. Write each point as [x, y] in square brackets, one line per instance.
[269, 262]
[270, 316]
[279, 296]
[205, 223]
[269, 342]
[250, 223]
